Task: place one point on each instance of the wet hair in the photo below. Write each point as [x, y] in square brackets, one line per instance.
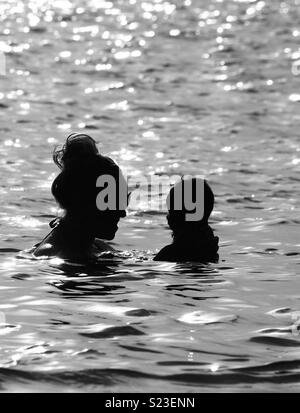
[177, 218]
[77, 145]
[75, 187]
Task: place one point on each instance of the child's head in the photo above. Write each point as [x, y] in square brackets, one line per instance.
[77, 146]
[190, 203]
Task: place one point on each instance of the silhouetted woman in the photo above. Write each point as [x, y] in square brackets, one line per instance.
[75, 236]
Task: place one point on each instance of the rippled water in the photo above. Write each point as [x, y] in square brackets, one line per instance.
[206, 87]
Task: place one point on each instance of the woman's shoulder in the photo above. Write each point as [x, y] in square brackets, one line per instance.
[101, 246]
[43, 249]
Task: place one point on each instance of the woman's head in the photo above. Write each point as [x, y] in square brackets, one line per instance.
[76, 146]
[190, 203]
[76, 192]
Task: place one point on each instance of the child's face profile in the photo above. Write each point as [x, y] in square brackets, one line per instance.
[185, 202]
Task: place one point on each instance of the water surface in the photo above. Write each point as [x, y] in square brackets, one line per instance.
[181, 87]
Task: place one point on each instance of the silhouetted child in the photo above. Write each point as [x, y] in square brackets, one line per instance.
[193, 240]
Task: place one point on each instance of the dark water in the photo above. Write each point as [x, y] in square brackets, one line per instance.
[180, 87]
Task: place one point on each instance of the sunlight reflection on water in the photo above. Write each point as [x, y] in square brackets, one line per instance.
[175, 87]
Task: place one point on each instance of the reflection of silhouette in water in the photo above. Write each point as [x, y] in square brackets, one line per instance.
[89, 288]
[76, 235]
[89, 277]
[192, 240]
[86, 280]
[194, 281]
[90, 268]
[196, 269]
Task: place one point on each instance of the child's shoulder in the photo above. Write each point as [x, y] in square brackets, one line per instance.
[167, 253]
[204, 251]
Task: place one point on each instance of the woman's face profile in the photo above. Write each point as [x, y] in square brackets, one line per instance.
[105, 223]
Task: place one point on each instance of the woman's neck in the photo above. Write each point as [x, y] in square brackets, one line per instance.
[74, 234]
